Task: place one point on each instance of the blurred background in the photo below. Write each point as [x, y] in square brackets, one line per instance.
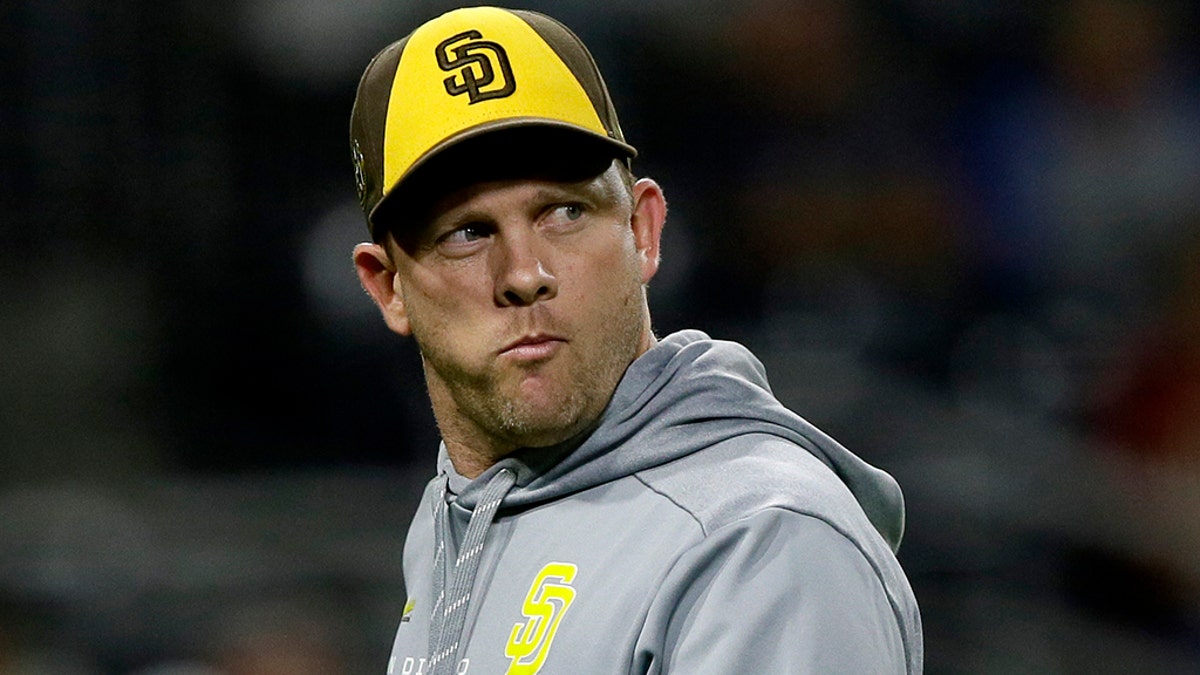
[962, 236]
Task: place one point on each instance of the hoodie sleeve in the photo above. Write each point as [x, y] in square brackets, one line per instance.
[776, 592]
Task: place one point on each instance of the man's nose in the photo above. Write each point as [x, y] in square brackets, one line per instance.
[522, 278]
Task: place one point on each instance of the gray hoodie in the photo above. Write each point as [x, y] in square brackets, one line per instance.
[700, 528]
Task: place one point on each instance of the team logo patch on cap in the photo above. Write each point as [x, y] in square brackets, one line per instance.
[477, 61]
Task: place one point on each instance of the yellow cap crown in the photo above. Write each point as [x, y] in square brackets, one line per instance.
[465, 73]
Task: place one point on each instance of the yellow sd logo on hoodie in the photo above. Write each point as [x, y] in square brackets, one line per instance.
[549, 597]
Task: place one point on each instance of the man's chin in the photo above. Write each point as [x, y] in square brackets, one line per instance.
[539, 433]
[543, 424]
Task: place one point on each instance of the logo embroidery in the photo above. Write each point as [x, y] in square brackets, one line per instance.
[549, 597]
[477, 62]
[408, 610]
[360, 174]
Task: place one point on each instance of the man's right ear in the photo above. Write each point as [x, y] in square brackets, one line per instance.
[378, 277]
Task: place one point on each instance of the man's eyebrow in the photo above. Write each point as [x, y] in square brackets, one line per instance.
[467, 214]
[597, 190]
[553, 193]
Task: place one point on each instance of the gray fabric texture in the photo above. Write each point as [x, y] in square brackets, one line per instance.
[701, 527]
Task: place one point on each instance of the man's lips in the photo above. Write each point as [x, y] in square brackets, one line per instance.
[533, 347]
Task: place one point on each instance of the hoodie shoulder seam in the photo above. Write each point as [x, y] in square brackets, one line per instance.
[699, 523]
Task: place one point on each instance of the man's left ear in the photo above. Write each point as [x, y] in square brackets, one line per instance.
[649, 216]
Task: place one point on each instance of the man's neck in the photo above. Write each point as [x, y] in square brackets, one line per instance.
[468, 462]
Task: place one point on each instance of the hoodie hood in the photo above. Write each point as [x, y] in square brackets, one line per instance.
[687, 393]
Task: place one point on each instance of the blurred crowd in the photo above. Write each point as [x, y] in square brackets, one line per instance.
[962, 236]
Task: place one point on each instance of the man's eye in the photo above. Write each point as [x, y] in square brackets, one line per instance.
[567, 213]
[464, 235]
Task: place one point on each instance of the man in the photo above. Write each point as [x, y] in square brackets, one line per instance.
[606, 502]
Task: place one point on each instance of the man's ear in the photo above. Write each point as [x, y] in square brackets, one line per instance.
[378, 277]
[649, 216]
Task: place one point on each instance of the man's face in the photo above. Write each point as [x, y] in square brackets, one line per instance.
[526, 298]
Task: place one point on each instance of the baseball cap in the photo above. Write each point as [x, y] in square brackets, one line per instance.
[467, 74]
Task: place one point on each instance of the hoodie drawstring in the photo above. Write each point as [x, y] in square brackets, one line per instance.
[450, 608]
